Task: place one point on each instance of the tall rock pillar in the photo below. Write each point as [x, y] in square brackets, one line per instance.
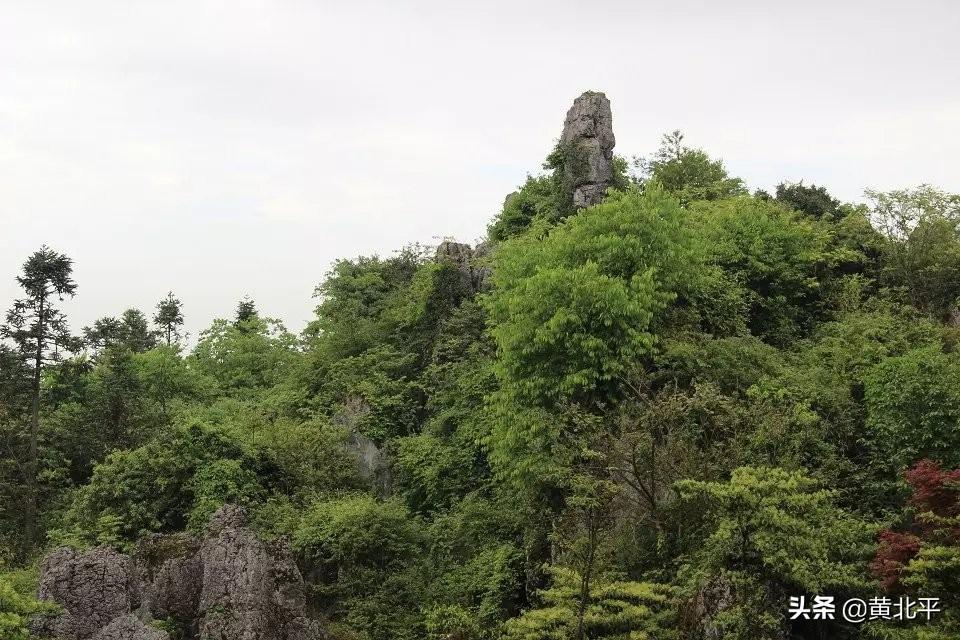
[587, 142]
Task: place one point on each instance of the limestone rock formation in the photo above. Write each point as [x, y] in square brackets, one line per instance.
[130, 627]
[588, 143]
[251, 590]
[373, 463]
[170, 573]
[93, 588]
[229, 585]
[470, 261]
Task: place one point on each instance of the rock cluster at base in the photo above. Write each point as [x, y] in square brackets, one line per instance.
[228, 585]
[588, 142]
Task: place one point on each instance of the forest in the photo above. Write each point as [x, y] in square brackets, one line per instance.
[660, 416]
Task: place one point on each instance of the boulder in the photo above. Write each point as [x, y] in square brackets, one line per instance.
[93, 587]
[236, 594]
[171, 576]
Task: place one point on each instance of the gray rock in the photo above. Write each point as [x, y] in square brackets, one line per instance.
[588, 141]
[171, 576]
[460, 255]
[236, 594]
[228, 586]
[373, 463]
[49, 625]
[472, 263]
[480, 268]
[251, 590]
[93, 587]
[130, 627]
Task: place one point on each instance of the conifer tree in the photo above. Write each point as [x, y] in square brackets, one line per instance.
[169, 317]
[39, 332]
[246, 311]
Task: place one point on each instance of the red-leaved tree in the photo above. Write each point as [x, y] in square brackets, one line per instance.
[935, 500]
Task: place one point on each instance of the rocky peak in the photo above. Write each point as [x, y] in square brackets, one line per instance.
[470, 262]
[588, 142]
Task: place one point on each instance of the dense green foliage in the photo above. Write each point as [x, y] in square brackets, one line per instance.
[658, 417]
[18, 604]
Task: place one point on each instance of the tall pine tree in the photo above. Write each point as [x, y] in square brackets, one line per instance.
[39, 332]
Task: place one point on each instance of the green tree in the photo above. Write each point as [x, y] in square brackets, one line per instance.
[165, 376]
[922, 253]
[175, 480]
[255, 355]
[104, 333]
[129, 331]
[136, 334]
[618, 610]
[367, 552]
[812, 200]
[14, 435]
[913, 405]
[763, 537]
[15, 611]
[169, 317]
[783, 261]
[354, 301]
[39, 331]
[115, 403]
[246, 311]
[690, 174]
[537, 199]
[573, 310]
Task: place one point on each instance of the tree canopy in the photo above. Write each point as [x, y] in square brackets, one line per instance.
[661, 416]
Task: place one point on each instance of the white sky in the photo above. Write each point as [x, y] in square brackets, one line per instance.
[227, 148]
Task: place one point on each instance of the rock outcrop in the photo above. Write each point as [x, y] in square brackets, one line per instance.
[94, 588]
[170, 574]
[130, 627]
[251, 590]
[588, 142]
[373, 463]
[470, 262]
[228, 585]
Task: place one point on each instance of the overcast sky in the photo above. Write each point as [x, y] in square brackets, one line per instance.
[227, 148]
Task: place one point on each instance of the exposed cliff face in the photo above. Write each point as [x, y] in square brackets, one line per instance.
[229, 585]
[588, 142]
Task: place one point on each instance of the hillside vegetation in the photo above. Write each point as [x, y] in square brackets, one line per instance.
[659, 417]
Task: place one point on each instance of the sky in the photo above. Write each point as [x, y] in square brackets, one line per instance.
[224, 149]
